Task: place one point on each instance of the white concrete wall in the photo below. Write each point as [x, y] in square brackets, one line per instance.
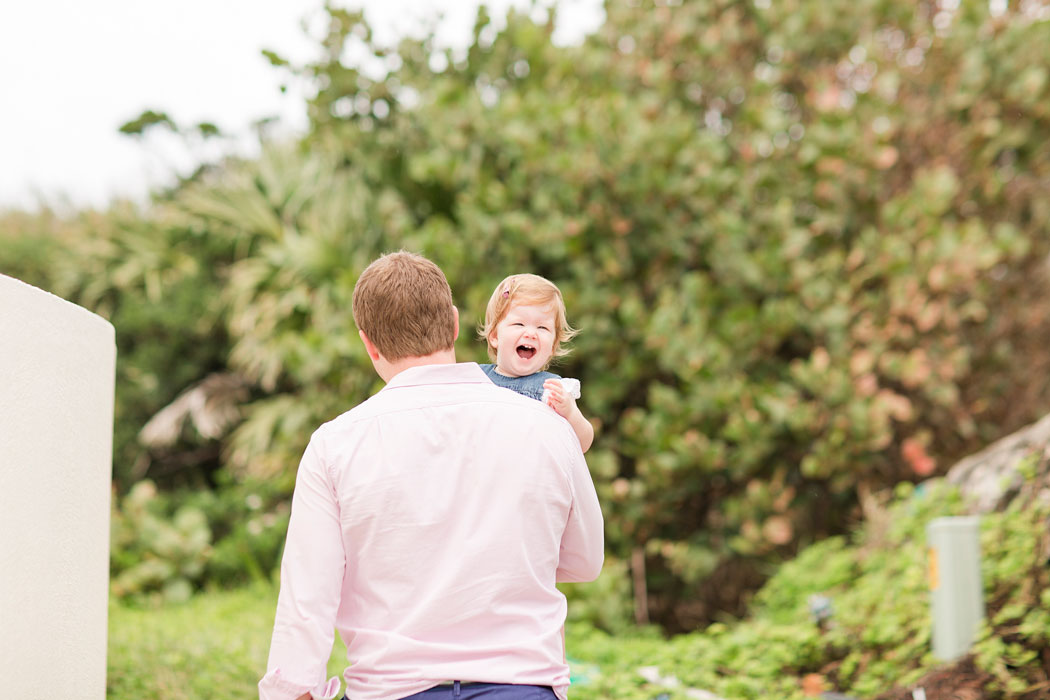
[56, 425]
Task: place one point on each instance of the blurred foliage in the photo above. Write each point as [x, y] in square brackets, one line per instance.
[1015, 640]
[147, 120]
[151, 552]
[878, 635]
[876, 639]
[212, 646]
[158, 281]
[804, 243]
[604, 603]
[167, 545]
[150, 120]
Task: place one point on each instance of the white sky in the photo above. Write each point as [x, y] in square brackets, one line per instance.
[71, 72]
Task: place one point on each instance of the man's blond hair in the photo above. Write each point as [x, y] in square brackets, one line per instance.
[528, 290]
[403, 303]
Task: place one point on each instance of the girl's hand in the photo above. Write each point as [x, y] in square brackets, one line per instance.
[559, 399]
[561, 395]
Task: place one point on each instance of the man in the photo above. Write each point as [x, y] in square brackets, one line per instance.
[430, 523]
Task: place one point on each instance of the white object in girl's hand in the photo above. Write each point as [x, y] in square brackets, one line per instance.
[571, 386]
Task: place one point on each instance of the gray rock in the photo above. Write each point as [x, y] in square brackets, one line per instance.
[991, 478]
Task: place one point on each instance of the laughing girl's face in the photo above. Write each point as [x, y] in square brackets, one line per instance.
[524, 340]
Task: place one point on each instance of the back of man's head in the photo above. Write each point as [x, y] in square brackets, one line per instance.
[403, 303]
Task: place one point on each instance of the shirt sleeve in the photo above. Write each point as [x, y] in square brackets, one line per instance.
[311, 583]
[583, 542]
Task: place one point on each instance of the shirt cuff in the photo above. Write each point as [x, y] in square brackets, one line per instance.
[274, 687]
[328, 691]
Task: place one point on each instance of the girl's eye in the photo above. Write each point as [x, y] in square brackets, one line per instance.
[544, 328]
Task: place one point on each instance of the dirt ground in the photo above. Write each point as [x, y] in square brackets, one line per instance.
[963, 681]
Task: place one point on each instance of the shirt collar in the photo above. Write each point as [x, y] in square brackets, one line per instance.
[459, 373]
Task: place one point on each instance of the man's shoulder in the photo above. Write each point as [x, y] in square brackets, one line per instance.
[384, 402]
[351, 417]
[477, 398]
[521, 414]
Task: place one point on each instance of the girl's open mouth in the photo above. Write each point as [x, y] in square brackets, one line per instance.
[526, 352]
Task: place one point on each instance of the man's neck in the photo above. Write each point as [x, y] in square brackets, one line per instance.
[396, 367]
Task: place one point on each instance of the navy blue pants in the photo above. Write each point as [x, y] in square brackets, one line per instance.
[484, 691]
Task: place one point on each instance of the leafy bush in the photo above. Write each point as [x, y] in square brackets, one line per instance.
[804, 242]
[152, 552]
[157, 281]
[1015, 640]
[878, 636]
[168, 545]
[793, 260]
[605, 602]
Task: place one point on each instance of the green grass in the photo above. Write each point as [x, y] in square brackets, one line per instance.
[216, 644]
[213, 646]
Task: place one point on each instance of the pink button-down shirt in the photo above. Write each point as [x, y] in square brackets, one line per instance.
[429, 526]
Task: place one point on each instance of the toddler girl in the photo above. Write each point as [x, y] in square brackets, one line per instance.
[525, 326]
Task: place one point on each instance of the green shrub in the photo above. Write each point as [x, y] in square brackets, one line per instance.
[804, 242]
[168, 545]
[877, 638]
[1016, 636]
[793, 260]
[155, 551]
[879, 634]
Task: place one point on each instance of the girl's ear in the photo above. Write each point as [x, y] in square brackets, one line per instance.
[492, 338]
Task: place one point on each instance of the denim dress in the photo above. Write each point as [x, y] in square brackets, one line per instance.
[530, 385]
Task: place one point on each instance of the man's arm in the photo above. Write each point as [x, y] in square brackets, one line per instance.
[311, 582]
[583, 542]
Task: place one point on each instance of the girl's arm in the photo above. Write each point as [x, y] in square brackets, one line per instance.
[563, 402]
[582, 426]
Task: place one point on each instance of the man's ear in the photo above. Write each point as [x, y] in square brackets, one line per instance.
[369, 346]
[455, 316]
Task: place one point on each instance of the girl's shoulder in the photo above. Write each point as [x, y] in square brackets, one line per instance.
[541, 376]
[530, 385]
